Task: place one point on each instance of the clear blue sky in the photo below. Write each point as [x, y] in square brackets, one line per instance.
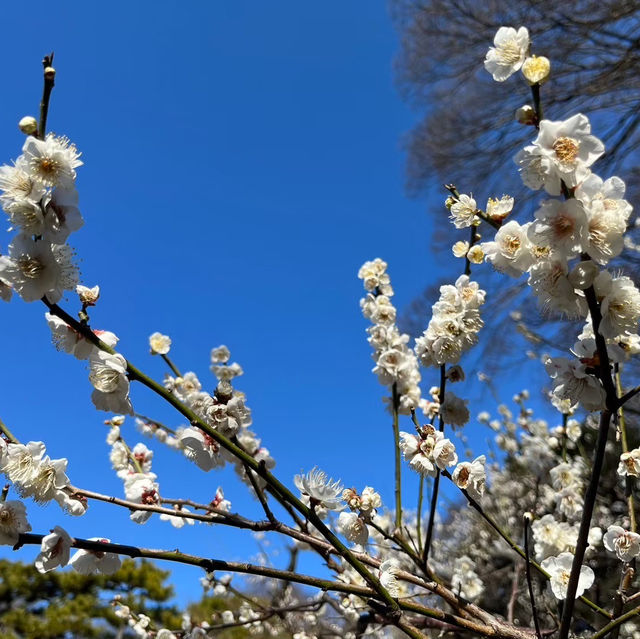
[241, 161]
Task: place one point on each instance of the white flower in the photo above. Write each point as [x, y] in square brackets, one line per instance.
[52, 161]
[624, 543]
[499, 209]
[159, 344]
[175, 520]
[559, 569]
[61, 215]
[574, 383]
[322, 490]
[220, 355]
[37, 268]
[201, 448]
[562, 226]
[108, 376]
[69, 341]
[92, 562]
[428, 451]
[536, 69]
[54, 550]
[353, 528]
[620, 305]
[465, 580]
[141, 489]
[18, 184]
[13, 521]
[549, 280]
[471, 476]
[510, 252]
[88, 296]
[375, 277]
[630, 463]
[388, 575]
[508, 53]
[571, 150]
[463, 211]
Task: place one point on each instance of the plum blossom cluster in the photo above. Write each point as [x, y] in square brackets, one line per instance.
[34, 474]
[454, 325]
[41, 203]
[396, 364]
[224, 410]
[564, 249]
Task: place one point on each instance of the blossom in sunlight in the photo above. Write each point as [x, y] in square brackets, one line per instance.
[141, 488]
[630, 463]
[465, 580]
[201, 448]
[624, 543]
[463, 211]
[17, 184]
[559, 569]
[88, 296]
[375, 277]
[220, 355]
[471, 476]
[353, 528]
[175, 520]
[536, 69]
[52, 161]
[499, 209]
[54, 550]
[159, 344]
[510, 48]
[562, 226]
[428, 451]
[61, 215]
[66, 339]
[570, 149]
[13, 521]
[510, 252]
[388, 575]
[95, 562]
[33, 474]
[107, 373]
[321, 490]
[37, 268]
[574, 383]
[620, 304]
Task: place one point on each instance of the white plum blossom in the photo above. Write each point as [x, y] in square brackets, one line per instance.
[465, 580]
[559, 569]
[562, 226]
[353, 528]
[630, 463]
[509, 51]
[175, 520]
[37, 268]
[51, 161]
[549, 281]
[18, 185]
[141, 488]
[428, 451]
[108, 376]
[95, 562]
[575, 383]
[54, 550]
[61, 215]
[454, 410]
[66, 339]
[619, 303]
[471, 476]
[624, 543]
[159, 343]
[463, 211]
[510, 252]
[88, 296]
[498, 209]
[454, 325]
[201, 448]
[388, 576]
[320, 489]
[220, 355]
[375, 277]
[13, 521]
[571, 150]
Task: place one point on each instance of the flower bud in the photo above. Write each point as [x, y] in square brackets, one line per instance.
[449, 202]
[49, 73]
[526, 115]
[28, 125]
[536, 69]
[88, 296]
[475, 254]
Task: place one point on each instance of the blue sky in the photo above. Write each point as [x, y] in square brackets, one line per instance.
[242, 160]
